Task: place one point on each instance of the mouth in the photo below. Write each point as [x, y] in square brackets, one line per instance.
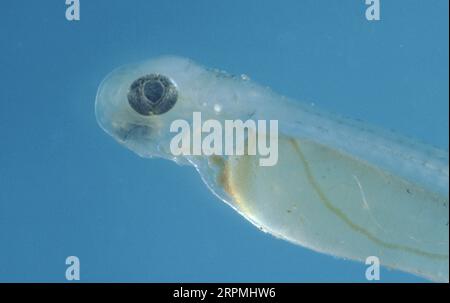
[134, 131]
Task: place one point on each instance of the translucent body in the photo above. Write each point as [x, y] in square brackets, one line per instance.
[340, 187]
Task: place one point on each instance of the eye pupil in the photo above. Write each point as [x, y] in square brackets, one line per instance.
[153, 90]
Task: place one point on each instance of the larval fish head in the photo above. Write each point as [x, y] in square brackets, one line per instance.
[137, 103]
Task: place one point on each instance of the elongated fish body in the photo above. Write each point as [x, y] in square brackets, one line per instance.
[339, 187]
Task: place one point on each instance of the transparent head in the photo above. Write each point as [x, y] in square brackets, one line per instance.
[136, 103]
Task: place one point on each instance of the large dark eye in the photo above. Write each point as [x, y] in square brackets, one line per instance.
[152, 94]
